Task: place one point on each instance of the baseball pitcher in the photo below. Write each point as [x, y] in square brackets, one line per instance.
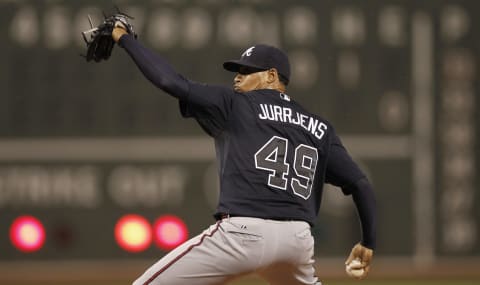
[274, 158]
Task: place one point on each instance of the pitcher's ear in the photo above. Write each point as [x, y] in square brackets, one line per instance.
[272, 75]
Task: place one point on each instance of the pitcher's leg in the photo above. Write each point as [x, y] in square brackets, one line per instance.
[214, 257]
[292, 259]
[291, 274]
[193, 259]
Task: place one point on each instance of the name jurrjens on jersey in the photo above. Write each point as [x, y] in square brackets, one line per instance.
[286, 115]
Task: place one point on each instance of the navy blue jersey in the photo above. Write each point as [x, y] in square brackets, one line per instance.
[273, 154]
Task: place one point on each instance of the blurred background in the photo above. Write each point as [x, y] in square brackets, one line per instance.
[100, 176]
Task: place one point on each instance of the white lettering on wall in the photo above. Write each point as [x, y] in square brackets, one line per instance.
[131, 186]
[49, 186]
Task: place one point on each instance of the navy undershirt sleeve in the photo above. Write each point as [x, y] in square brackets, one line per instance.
[208, 104]
[364, 199]
[343, 172]
[155, 68]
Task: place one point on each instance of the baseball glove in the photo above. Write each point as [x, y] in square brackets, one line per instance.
[99, 39]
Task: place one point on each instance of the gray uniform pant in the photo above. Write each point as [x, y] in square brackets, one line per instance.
[281, 252]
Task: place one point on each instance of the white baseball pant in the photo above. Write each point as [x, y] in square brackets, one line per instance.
[281, 252]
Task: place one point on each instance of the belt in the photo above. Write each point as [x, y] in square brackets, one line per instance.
[221, 216]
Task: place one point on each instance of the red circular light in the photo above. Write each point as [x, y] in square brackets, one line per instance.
[170, 231]
[27, 234]
[133, 233]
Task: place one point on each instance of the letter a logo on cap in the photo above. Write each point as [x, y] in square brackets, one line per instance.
[248, 52]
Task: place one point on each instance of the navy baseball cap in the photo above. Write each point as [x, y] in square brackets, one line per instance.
[262, 57]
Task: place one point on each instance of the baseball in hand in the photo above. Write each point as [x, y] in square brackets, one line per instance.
[353, 268]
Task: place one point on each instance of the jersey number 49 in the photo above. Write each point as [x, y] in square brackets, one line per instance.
[272, 157]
